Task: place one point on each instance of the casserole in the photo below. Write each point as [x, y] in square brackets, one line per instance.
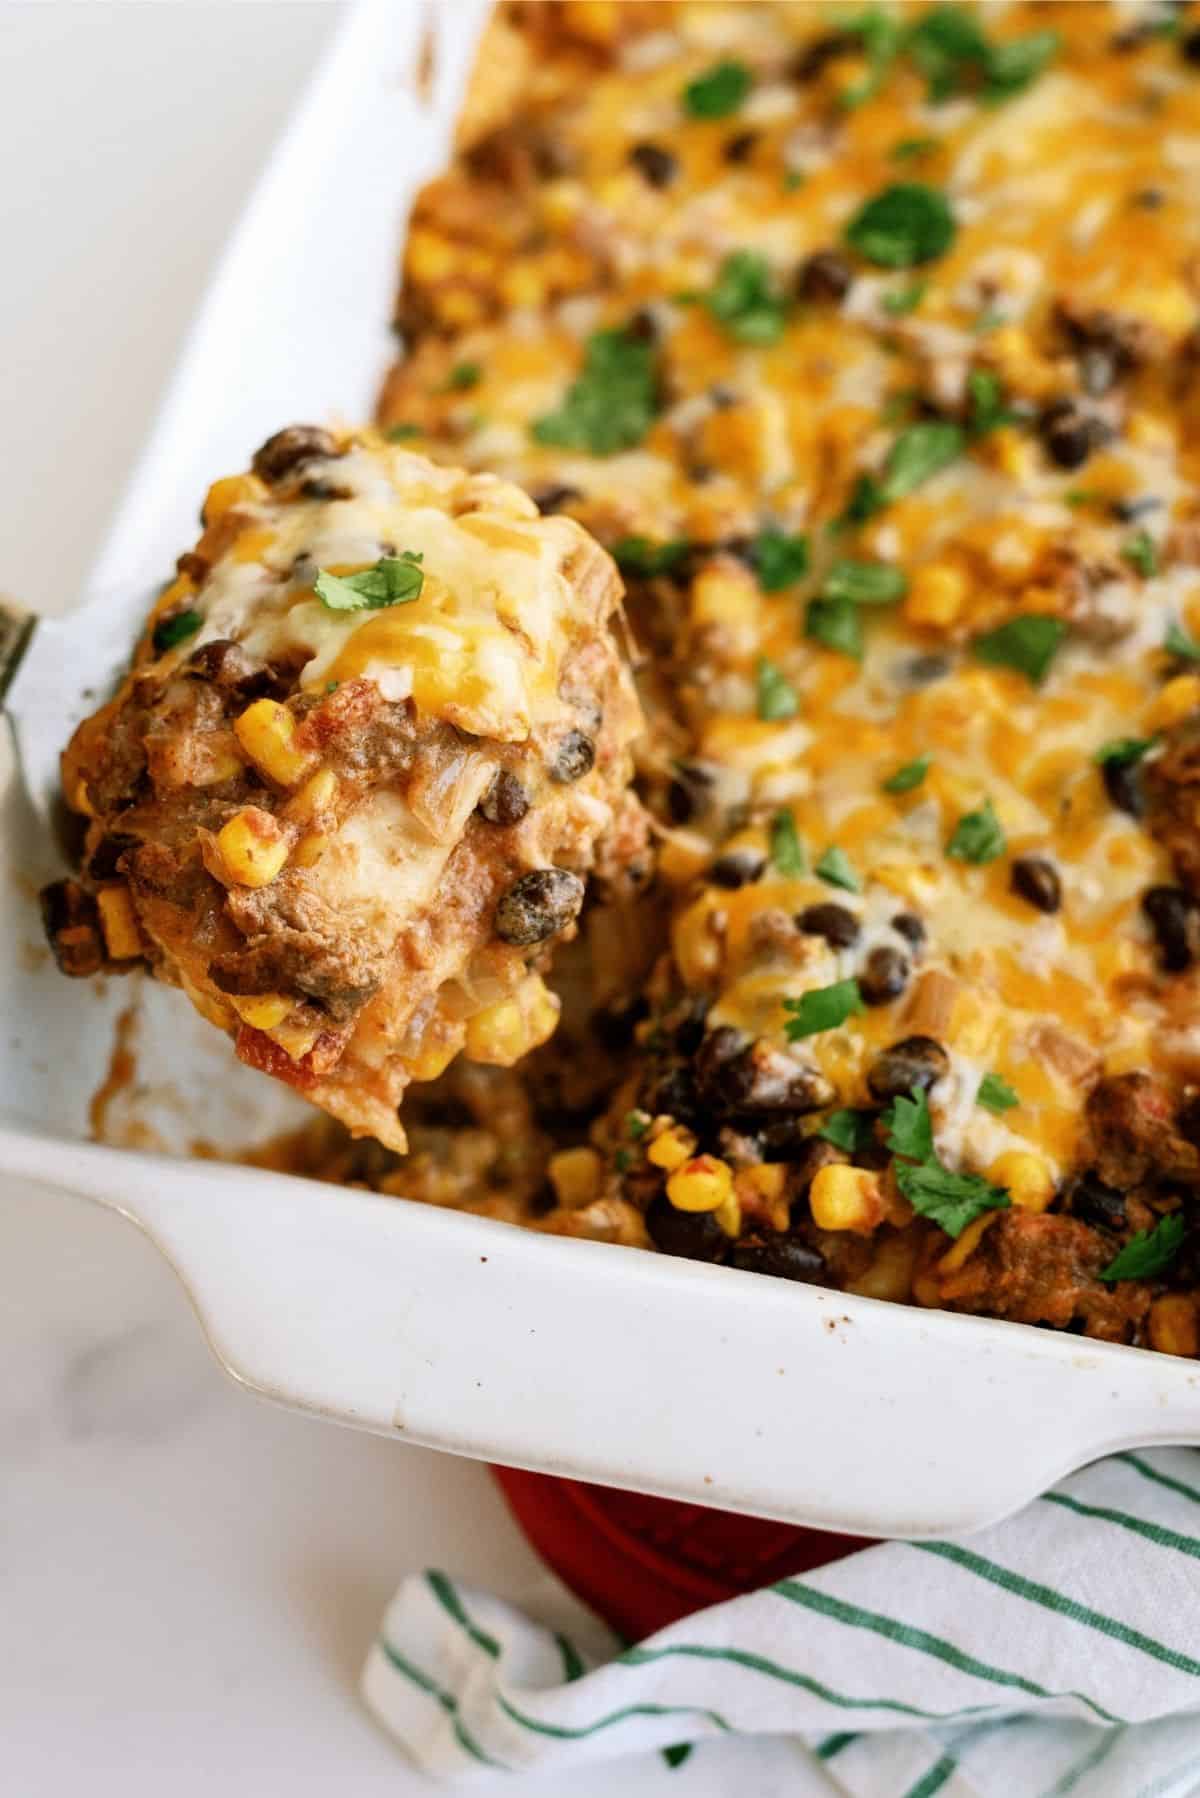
[598, 1374]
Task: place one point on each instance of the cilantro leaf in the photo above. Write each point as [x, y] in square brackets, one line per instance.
[643, 556]
[719, 92]
[905, 225]
[882, 36]
[865, 583]
[996, 1094]
[636, 1124]
[1139, 551]
[952, 51]
[611, 404]
[462, 376]
[910, 148]
[1149, 1252]
[780, 560]
[903, 300]
[909, 777]
[403, 433]
[1123, 752]
[776, 696]
[836, 624]
[787, 850]
[743, 299]
[952, 1200]
[849, 1130]
[837, 870]
[978, 836]
[1027, 643]
[1011, 67]
[988, 410]
[918, 453]
[823, 1008]
[910, 1127]
[394, 581]
[1178, 643]
[175, 629]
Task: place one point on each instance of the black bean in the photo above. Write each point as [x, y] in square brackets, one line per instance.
[922, 671]
[655, 165]
[290, 449]
[1037, 880]
[737, 868]
[1123, 784]
[690, 791]
[103, 862]
[740, 147]
[839, 927]
[809, 1158]
[506, 801]
[671, 1092]
[914, 1064]
[1171, 912]
[613, 1025]
[694, 1234]
[1094, 1203]
[810, 62]
[574, 757]
[538, 906]
[689, 1029]
[884, 977]
[642, 325]
[736, 1076]
[1128, 511]
[553, 499]
[1069, 434]
[910, 927]
[825, 276]
[787, 1257]
[1189, 47]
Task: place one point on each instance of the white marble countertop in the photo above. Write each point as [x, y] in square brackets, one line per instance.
[189, 1577]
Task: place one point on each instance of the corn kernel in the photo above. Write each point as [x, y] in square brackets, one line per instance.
[846, 1198]
[122, 938]
[253, 847]
[937, 595]
[728, 1215]
[433, 1057]
[890, 1274]
[575, 1176]
[224, 495]
[430, 257]
[266, 731]
[597, 21]
[1174, 701]
[523, 285]
[295, 1039]
[503, 1033]
[702, 1184]
[263, 1011]
[1027, 1177]
[1173, 1326]
[672, 1148]
[315, 796]
[310, 849]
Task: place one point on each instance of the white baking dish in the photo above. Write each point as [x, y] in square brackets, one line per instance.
[637, 1370]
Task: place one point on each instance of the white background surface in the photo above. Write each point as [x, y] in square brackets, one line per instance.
[188, 1577]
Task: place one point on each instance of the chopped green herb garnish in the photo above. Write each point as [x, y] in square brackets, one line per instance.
[643, 556]
[1123, 751]
[1083, 496]
[917, 454]
[1149, 1252]
[462, 376]
[905, 225]
[612, 403]
[904, 299]
[898, 406]
[1178, 643]
[331, 686]
[836, 624]
[793, 178]
[849, 1130]
[776, 695]
[988, 410]
[952, 1200]
[175, 629]
[908, 778]
[744, 301]
[909, 1127]
[1011, 67]
[836, 868]
[996, 1094]
[978, 836]
[636, 1124]
[787, 850]
[394, 581]
[1139, 551]
[865, 583]
[910, 148]
[1027, 643]
[719, 92]
[822, 1009]
[953, 53]
[780, 560]
[882, 34]
[623, 1160]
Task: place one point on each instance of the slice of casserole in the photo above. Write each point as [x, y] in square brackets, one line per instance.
[375, 738]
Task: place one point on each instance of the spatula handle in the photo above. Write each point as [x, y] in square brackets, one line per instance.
[16, 630]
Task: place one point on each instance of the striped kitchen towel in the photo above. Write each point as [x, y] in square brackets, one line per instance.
[1056, 1653]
